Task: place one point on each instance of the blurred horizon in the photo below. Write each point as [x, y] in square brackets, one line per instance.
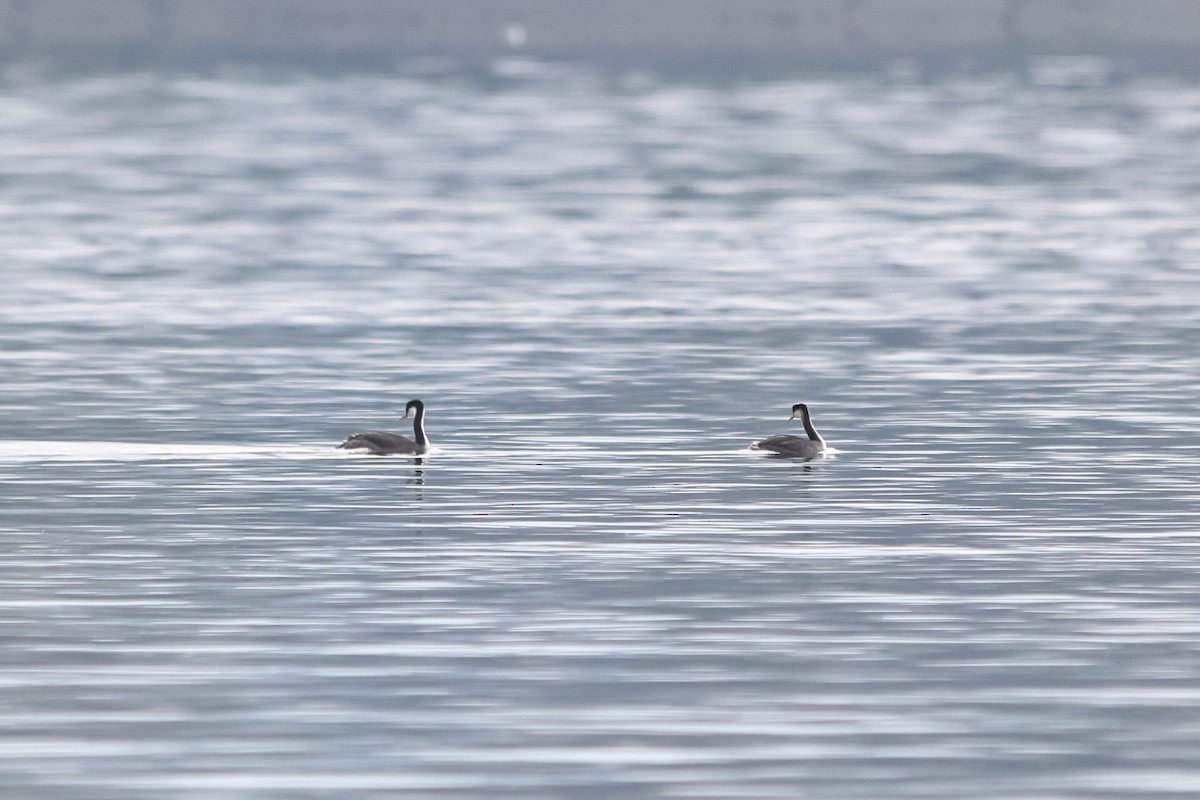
[725, 36]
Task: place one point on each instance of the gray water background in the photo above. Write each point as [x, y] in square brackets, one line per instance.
[986, 287]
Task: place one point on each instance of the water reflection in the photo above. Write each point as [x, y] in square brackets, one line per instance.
[806, 461]
[418, 475]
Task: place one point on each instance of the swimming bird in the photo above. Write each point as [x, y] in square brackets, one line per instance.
[381, 444]
[795, 446]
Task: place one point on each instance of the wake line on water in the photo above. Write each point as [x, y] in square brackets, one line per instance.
[43, 450]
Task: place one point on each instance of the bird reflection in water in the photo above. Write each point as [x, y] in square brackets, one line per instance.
[418, 474]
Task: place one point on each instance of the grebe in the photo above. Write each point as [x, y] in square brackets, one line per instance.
[795, 446]
[382, 444]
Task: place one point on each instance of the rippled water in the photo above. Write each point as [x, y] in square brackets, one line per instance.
[986, 289]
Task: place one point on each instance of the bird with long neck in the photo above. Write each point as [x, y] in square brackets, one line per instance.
[795, 446]
[381, 443]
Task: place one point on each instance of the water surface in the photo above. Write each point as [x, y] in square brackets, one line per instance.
[604, 290]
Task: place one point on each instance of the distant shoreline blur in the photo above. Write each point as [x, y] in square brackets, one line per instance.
[728, 36]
